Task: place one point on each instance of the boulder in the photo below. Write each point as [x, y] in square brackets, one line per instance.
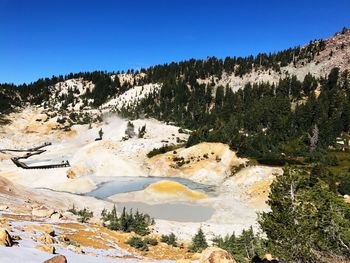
[216, 255]
[63, 238]
[46, 239]
[56, 216]
[183, 261]
[41, 117]
[5, 238]
[71, 174]
[46, 248]
[56, 259]
[48, 229]
[43, 212]
[16, 238]
[69, 215]
[35, 205]
[75, 249]
[268, 257]
[3, 207]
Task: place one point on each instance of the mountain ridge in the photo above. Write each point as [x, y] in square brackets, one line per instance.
[317, 57]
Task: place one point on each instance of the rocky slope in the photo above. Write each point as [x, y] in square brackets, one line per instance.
[336, 53]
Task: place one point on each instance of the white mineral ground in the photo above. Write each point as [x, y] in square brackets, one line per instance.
[235, 202]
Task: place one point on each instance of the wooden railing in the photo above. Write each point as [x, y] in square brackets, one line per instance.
[30, 152]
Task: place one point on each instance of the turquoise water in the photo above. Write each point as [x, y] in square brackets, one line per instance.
[127, 184]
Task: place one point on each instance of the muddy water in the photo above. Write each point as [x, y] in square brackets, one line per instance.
[180, 212]
[171, 211]
[111, 186]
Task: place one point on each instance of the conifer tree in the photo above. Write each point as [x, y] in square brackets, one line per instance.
[199, 243]
[307, 222]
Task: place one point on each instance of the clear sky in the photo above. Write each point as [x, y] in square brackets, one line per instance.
[41, 38]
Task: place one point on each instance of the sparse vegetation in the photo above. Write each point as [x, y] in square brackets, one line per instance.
[169, 239]
[163, 149]
[127, 222]
[84, 215]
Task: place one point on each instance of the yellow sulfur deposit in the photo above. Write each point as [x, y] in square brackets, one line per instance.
[175, 188]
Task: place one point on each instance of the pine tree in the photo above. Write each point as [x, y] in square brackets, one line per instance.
[199, 243]
[123, 225]
[307, 222]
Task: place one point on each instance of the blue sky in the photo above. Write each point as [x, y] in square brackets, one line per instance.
[41, 38]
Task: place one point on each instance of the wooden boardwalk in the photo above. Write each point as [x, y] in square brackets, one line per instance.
[30, 152]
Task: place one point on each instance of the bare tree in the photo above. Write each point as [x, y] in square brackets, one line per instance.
[314, 138]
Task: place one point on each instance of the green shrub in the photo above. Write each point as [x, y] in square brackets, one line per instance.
[151, 241]
[85, 215]
[165, 148]
[344, 185]
[331, 160]
[169, 239]
[73, 210]
[137, 243]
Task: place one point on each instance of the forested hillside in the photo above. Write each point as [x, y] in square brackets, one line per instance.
[271, 118]
[260, 119]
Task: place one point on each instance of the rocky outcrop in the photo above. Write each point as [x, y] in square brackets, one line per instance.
[56, 259]
[56, 216]
[42, 212]
[46, 239]
[5, 238]
[44, 229]
[71, 174]
[3, 207]
[216, 255]
[208, 163]
[75, 249]
[46, 248]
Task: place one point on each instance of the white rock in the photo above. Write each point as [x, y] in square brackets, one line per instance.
[4, 207]
[42, 212]
[75, 249]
